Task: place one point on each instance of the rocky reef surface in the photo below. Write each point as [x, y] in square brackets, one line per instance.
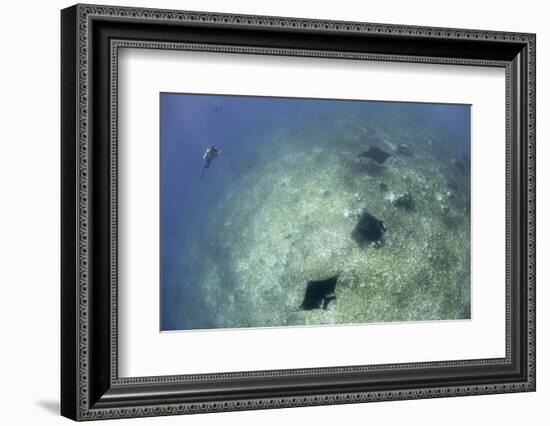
[289, 218]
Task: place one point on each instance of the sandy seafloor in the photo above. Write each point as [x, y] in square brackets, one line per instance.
[287, 217]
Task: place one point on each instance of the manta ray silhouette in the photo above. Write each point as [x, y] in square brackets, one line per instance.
[319, 293]
[375, 153]
[369, 230]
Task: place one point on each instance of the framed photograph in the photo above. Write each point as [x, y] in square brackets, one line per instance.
[263, 212]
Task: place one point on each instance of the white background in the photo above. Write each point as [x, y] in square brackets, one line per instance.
[29, 229]
[146, 352]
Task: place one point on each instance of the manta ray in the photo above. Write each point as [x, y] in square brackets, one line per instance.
[319, 293]
[369, 230]
[376, 154]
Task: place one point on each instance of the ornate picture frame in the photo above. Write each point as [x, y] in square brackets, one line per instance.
[91, 37]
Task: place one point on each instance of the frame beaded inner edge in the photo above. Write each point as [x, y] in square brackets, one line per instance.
[115, 46]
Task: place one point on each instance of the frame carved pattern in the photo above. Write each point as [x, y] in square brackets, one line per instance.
[85, 14]
[531, 202]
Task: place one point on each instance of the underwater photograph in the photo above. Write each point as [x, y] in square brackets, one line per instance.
[283, 212]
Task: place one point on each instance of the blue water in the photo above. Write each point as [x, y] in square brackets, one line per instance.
[241, 127]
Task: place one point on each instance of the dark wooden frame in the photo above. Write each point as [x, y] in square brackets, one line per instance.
[90, 386]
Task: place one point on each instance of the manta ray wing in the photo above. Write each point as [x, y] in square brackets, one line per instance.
[376, 154]
[319, 293]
